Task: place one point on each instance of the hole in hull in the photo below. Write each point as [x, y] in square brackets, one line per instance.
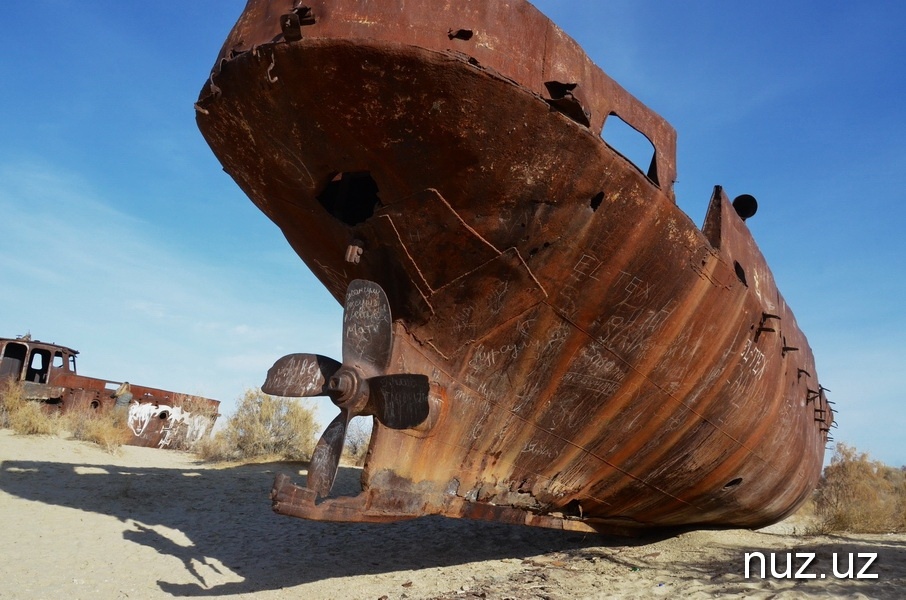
[597, 200]
[351, 197]
[740, 273]
[460, 34]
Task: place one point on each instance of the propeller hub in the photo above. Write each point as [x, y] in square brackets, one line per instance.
[345, 383]
[352, 387]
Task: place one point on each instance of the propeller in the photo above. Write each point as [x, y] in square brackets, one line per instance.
[358, 386]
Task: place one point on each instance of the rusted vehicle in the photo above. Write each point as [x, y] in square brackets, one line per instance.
[156, 418]
[539, 333]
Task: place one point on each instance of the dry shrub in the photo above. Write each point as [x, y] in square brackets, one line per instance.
[860, 495]
[358, 436]
[25, 417]
[807, 513]
[11, 398]
[29, 419]
[107, 429]
[215, 448]
[263, 426]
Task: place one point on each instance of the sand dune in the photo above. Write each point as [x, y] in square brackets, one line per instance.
[80, 523]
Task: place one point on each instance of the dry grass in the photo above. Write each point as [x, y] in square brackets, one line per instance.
[107, 429]
[263, 426]
[30, 417]
[10, 400]
[859, 495]
[23, 416]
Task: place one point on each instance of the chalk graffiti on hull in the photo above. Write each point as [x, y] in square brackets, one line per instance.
[179, 424]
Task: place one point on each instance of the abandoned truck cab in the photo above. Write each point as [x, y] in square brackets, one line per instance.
[37, 364]
[155, 417]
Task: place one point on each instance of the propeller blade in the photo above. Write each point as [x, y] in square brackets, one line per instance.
[399, 401]
[325, 460]
[300, 376]
[367, 327]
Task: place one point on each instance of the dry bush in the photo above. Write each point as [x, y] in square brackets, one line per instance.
[25, 417]
[107, 429]
[358, 436]
[30, 419]
[860, 495]
[215, 448]
[804, 520]
[263, 426]
[11, 397]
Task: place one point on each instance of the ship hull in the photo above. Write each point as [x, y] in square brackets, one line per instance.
[596, 361]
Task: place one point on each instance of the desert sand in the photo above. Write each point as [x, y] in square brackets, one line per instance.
[81, 523]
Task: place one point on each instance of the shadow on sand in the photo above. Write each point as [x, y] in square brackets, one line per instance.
[225, 513]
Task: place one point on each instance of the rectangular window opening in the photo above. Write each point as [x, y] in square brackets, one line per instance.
[631, 144]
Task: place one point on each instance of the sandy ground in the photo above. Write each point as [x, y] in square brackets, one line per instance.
[80, 523]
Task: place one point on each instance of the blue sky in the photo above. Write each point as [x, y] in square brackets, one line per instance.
[121, 236]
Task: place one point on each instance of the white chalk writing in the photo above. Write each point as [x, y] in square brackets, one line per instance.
[191, 427]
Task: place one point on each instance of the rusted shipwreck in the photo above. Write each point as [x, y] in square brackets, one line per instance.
[566, 349]
[156, 418]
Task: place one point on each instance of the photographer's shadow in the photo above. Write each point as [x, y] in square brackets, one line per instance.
[231, 543]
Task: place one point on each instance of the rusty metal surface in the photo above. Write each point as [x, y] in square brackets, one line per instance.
[156, 418]
[594, 360]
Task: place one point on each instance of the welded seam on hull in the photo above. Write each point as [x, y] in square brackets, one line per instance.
[465, 225]
[481, 238]
[411, 259]
[529, 271]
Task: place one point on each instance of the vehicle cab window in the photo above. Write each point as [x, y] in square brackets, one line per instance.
[38, 366]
